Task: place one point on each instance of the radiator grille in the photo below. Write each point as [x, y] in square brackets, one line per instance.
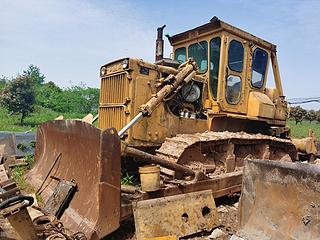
[112, 117]
[114, 89]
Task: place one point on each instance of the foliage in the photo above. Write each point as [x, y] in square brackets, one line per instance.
[311, 116]
[49, 100]
[33, 73]
[48, 95]
[18, 96]
[77, 99]
[318, 116]
[126, 179]
[298, 114]
[3, 82]
[29, 160]
[18, 176]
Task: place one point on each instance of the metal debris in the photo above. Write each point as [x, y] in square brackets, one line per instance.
[217, 233]
[179, 215]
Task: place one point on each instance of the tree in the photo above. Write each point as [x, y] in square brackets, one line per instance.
[18, 96]
[78, 99]
[3, 81]
[33, 72]
[48, 95]
[318, 116]
[311, 115]
[297, 113]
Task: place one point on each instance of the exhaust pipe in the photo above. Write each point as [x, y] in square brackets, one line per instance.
[159, 43]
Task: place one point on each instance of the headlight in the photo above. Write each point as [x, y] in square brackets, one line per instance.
[103, 71]
[125, 64]
[191, 92]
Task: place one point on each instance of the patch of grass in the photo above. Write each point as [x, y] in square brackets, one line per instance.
[29, 160]
[12, 122]
[126, 179]
[18, 176]
[301, 129]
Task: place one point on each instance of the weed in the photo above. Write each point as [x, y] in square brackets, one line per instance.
[29, 159]
[18, 176]
[126, 179]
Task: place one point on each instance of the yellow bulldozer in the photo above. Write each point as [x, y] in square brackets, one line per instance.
[196, 118]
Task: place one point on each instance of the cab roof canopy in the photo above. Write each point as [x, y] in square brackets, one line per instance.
[216, 25]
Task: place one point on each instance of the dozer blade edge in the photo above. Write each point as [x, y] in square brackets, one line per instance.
[76, 151]
[280, 200]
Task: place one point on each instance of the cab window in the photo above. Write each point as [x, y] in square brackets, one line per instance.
[199, 53]
[214, 65]
[259, 65]
[180, 55]
[233, 91]
[235, 56]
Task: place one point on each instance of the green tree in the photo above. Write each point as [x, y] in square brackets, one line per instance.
[298, 114]
[48, 95]
[18, 96]
[3, 82]
[318, 116]
[77, 99]
[33, 72]
[311, 116]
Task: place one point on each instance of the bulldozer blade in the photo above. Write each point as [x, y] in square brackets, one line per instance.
[76, 151]
[280, 200]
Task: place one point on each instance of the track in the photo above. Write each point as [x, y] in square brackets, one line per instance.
[221, 152]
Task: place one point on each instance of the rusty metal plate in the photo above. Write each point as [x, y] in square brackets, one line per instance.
[75, 150]
[7, 144]
[179, 215]
[280, 200]
[60, 199]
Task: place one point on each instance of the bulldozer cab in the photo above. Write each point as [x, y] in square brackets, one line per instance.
[235, 64]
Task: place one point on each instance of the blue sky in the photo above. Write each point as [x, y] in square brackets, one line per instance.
[70, 40]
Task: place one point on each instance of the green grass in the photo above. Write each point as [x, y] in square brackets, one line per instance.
[12, 122]
[301, 129]
[18, 174]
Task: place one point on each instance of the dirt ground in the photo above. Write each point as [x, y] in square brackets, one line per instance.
[227, 222]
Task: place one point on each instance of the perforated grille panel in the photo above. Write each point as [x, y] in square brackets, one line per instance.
[113, 95]
[114, 89]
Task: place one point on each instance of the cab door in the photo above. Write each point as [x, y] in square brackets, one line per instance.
[233, 95]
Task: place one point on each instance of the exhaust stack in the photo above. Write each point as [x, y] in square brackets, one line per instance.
[159, 43]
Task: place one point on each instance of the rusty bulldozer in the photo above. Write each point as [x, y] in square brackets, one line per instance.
[197, 118]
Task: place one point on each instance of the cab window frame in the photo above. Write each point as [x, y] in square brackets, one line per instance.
[229, 54]
[227, 96]
[185, 53]
[214, 94]
[265, 68]
[207, 54]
